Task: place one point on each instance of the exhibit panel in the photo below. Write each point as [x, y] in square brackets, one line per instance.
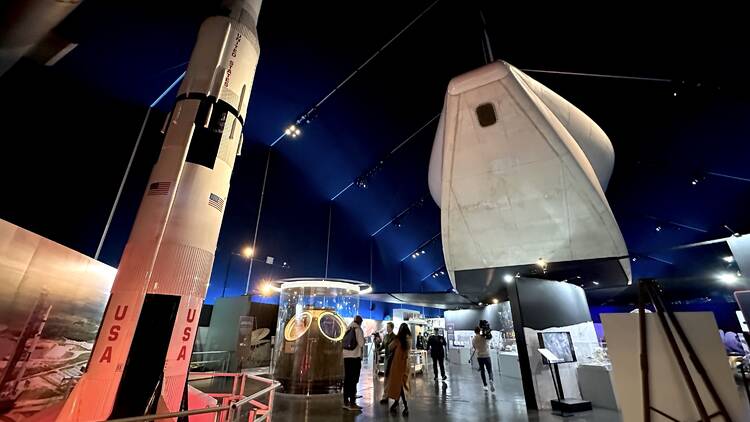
[669, 392]
[311, 326]
[553, 316]
[584, 345]
[52, 299]
[595, 381]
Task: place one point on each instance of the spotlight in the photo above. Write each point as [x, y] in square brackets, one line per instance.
[541, 263]
[596, 283]
[266, 289]
[414, 256]
[694, 182]
[508, 278]
[727, 278]
[495, 301]
[729, 259]
[422, 252]
[442, 272]
[292, 130]
[658, 228]
[481, 304]
[635, 259]
[247, 252]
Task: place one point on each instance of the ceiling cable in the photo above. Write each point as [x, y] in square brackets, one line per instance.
[597, 75]
[305, 118]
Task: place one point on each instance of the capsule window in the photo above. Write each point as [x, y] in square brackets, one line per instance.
[486, 114]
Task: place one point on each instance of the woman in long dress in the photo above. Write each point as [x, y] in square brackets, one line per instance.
[398, 378]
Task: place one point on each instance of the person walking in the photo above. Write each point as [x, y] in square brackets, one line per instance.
[482, 349]
[398, 379]
[387, 340]
[353, 343]
[438, 348]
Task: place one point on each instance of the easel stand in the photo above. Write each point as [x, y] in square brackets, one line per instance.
[562, 406]
[649, 289]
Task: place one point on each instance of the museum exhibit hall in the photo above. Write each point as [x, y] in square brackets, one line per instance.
[256, 210]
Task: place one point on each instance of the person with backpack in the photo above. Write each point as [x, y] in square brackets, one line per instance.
[353, 343]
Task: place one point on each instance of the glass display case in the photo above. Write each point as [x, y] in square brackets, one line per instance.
[308, 352]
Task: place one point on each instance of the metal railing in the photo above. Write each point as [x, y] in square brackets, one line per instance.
[234, 406]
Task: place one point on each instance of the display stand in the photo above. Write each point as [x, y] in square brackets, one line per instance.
[562, 406]
[649, 289]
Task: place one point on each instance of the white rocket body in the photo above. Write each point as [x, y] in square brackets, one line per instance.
[165, 269]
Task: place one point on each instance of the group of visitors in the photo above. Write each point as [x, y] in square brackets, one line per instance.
[396, 348]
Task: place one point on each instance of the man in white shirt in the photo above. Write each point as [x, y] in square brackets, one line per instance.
[353, 364]
[482, 349]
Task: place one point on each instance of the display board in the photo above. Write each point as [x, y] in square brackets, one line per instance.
[52, 299]
[669, 392]
[743, 300]
[559, 343]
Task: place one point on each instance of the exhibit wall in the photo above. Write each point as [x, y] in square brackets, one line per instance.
[52, 299]
[549, 306]
[669, 391]
[233, 320]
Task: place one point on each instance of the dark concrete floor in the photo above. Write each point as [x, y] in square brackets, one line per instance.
[460, 398]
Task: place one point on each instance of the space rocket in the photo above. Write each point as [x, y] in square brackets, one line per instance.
[140, 360]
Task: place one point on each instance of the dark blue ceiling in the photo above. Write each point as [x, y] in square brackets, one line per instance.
[88, 108]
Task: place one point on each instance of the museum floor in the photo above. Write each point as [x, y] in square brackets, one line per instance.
[461, 397]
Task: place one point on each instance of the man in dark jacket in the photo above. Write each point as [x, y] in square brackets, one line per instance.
[437, 347]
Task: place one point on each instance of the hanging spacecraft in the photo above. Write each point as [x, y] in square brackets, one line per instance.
[519, 174]
[141, 357]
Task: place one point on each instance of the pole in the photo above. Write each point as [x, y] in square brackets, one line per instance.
[257, 220]
[226, 274]
[130, 164]
[328, 240]
[645, 387]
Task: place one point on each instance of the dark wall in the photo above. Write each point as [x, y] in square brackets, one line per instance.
[546, 304]
[265, 314]
[468, 319]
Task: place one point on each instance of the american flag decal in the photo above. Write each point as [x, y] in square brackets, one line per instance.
[216, 202]
[158, 188]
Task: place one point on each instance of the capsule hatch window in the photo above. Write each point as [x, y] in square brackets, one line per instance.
[486, 114]
[297, 326]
